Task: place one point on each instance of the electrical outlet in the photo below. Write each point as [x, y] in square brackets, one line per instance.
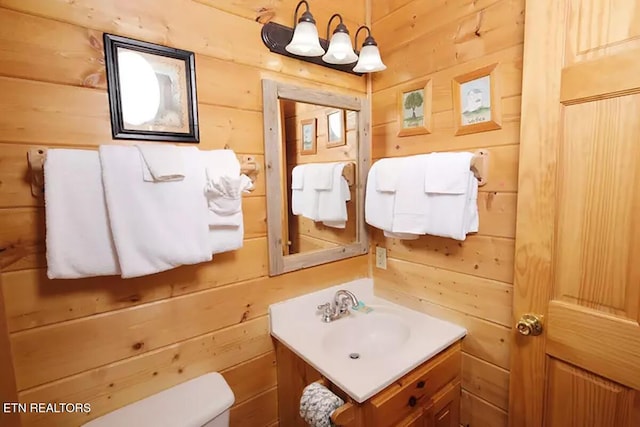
[381, 257]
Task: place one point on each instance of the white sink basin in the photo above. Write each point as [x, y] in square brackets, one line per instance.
[367, 336]
[361, 353]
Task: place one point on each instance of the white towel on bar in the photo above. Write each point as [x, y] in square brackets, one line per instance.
[379, 204]
[322, 177]
[332, 203]
[411, 205]
[156, 226]
[78, 235]
[223, 188]
[297, 189]
[387, 174]
[161, 162]
[447, 173]
[452, 195]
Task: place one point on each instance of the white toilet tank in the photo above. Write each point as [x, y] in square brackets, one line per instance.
[200, 402]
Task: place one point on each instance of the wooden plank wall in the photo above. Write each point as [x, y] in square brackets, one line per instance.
[306, 235]
[468, 282]
[110, 342]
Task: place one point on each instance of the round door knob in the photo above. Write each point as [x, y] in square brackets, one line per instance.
[529, 324]
[413, 401]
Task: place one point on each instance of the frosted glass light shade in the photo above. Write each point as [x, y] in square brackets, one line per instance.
[340, 50]
[139, 88]
[305, 41]
[369, 61]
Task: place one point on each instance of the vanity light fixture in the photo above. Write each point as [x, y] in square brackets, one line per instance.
[302, 42]
[305, 40]
[369, 60]
[340, 49]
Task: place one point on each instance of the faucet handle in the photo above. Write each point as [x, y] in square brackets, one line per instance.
[324, 307]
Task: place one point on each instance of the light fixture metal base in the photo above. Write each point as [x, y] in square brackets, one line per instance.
[276, 37]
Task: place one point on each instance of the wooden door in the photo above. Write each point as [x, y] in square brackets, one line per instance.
[577, 257]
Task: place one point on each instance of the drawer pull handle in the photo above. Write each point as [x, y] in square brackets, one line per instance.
[420, 384]
[413, 401]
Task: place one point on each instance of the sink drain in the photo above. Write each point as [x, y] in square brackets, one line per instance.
[354, 356]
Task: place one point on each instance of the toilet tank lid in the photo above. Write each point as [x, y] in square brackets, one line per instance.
[190, 404]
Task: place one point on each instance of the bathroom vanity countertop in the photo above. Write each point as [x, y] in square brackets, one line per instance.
[388, 342]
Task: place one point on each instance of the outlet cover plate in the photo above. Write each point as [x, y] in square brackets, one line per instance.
[381, 257]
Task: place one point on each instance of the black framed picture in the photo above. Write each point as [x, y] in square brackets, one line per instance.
[152, 91]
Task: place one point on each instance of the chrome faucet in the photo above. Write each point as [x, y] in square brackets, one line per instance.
[340, 307]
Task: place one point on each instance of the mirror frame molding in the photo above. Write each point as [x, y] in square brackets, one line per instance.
[272, 93]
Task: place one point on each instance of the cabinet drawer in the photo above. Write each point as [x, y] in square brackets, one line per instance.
[415, 389]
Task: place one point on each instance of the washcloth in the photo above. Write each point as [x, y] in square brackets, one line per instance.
[223, 188]
[317, 404]
[78, 236]
[224, 195]
[156, 226]
[161, 162]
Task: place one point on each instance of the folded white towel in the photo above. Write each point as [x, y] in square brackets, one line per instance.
[411, 204]
[322, 176]
[378, 205]
[447, 173]
[332, 207]
[161, 162]
[78, 236]
[297, 177]
[387, 174]
[155, 226]
[454, 215]
[223, 189]
[224, 196]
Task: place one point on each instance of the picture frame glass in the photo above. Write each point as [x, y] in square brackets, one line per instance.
[307, 137]
[335, 127]
[413, 109]
[475, 101]
[153, 91]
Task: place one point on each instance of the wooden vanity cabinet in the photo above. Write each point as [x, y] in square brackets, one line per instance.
[428, 396]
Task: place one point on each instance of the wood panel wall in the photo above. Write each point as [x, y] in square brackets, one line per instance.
[470, 282]
[108, 341]
[304, 234]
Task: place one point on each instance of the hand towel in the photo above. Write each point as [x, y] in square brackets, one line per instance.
[305, 202]
[322, 176]
[161, 162]
[223, 187]
[78, 235]
[156, 226]
[387, 174]
[297, 177]
[332, 203]
[454, 215]
[297, 189]
[411, 204]
[447, 173]
[378, 206]
[317, 403]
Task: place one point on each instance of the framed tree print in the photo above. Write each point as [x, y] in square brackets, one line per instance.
[414, 109]
[476, 101]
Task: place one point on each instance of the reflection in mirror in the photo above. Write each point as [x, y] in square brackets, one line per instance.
[305, 130]
[314, 135]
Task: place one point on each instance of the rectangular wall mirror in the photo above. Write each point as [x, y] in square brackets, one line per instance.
[306, 129]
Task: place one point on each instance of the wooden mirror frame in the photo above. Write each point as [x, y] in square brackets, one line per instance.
[272, 93]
